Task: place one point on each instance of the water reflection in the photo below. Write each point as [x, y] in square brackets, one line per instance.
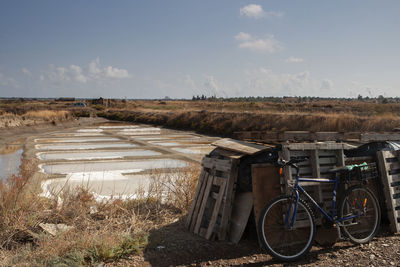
[9, 163]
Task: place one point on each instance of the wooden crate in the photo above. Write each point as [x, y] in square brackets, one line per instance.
[322, 158]
[389, 167]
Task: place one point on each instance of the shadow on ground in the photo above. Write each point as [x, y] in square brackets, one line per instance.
[174, 245]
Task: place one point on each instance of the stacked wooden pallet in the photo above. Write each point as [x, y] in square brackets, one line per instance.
[322, 158]
[306, 136]
[212, 205]
[389, 165]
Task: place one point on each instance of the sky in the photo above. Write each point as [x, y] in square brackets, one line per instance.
[180, 48]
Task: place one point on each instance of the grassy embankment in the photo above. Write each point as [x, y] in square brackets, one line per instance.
[224, 118]
[96, 231]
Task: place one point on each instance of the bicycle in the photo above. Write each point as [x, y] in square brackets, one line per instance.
[287, 223]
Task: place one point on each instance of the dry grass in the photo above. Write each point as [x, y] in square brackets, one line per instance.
[226, 123]
[48, 115]
[100, 231]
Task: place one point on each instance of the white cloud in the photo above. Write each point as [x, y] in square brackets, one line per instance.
[116, 73]
[8, 82]
[265, 82]
[242, 36]
[96, 71]
[26, 71]
[213, 87]
[257, 12]
[76, 73]
[326, 85]
[294, 60]
[269, 44]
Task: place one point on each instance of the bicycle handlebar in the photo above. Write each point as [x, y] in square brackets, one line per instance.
[292, 162]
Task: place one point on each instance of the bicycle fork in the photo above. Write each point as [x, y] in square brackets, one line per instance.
[289, 213]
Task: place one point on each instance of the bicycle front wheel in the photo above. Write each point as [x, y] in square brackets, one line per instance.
[279, 239]
[361, 207]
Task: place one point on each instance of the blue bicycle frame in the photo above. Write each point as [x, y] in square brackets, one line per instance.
[298, 188]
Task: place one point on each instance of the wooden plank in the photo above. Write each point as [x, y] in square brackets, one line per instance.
[229, 200]
[266, 185]
[203, 204]
[393, 166]
[219, 180]
[199, 201]
[223, 165]
[240, 215]
[369, 137]
[317, 136]
[316, 172]
[215, 211]
[310, 146]
[196, 196]
[340, 158]
[228, 154]
[390, 202]
[239, 146]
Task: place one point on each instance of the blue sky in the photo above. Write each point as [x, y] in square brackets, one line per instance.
[227, 48]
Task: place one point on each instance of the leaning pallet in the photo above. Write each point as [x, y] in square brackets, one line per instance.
[322, 158]
[211, 208]
[389, 165]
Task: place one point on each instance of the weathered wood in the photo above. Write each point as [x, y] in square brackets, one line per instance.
[195, 198]
[266, 185]
[229, 200]
[227, 153]
[240, 215]
[215, 211]
[239, 146]
[203, 204]
[223, 165]
[287, 171]
[316, 172]
[392, 203]
[311, 146]
[304, 136]
[340, 158]
[199, 201]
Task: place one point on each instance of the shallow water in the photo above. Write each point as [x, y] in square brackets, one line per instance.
[194, 150]
[164, 143]
[10, 163]
[119, 127]
[103, 185]
[91, 130]
[122, 166]
[83, 146]
[95, 154]
[76, 140]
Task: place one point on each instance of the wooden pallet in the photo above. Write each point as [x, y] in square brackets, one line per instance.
[322, 158]
[306, 136]
[211, 208]
[389, 166]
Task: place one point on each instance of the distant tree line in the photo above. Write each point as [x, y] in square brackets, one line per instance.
[297, 99]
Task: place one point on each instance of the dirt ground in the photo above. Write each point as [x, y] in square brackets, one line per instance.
[173, 245]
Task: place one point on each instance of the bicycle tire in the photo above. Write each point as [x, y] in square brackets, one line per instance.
[280, 242]
[356, 201]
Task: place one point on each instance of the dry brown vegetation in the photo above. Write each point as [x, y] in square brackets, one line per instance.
[221, 117]
[94, 231]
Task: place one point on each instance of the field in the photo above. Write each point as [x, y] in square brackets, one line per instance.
[224, 117]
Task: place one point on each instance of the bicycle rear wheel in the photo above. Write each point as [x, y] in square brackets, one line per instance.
[361, 203]
[278, 239]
